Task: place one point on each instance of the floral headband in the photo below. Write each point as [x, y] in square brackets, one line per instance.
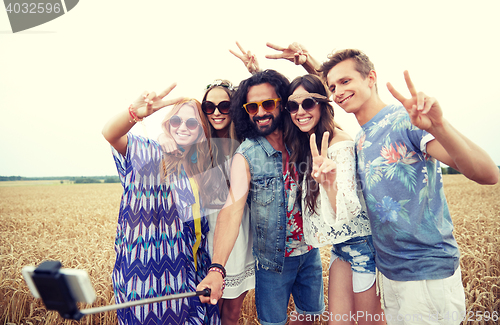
[220, 83]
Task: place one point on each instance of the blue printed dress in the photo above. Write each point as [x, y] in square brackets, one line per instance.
[154, 241]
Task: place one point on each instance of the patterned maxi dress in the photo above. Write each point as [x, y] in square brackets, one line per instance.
[154, 241]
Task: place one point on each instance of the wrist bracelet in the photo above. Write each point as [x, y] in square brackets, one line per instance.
[219, 269]
[134, 116]
[216, 269]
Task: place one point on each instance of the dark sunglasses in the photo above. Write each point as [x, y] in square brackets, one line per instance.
[268, 105]
[176, 121]
[307, 104]
[209, 108]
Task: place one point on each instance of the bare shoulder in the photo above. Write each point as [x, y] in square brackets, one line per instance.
[340, 136]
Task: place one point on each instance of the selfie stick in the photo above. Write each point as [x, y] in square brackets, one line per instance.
[96, 310]
[56, 293]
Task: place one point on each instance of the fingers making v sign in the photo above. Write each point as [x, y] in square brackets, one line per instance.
[149, 102]
[295, 53]
[323, 169]
[248, 59]
[425, 112]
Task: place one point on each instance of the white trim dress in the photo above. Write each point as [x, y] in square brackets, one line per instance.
[351, 220]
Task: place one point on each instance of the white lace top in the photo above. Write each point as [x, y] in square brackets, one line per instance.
[351, 220]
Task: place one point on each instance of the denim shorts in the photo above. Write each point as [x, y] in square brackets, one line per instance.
[302, 276]
[358, 251]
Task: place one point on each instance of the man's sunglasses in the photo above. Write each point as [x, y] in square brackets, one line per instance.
[176, 121]
[307, 104]
[209, 108]
[268, 105]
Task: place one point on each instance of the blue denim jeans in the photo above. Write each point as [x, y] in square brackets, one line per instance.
[302, 277]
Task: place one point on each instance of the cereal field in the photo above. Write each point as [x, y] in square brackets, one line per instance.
[75, 223]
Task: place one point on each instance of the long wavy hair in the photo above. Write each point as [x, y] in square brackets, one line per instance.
[222, 146]
[219, 158]
[196, 159]
[298, 141]
[244, 127]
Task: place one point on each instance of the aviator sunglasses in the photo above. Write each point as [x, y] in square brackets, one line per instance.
[176, 121]
[268, 105]
[209, 108]
[307, 104]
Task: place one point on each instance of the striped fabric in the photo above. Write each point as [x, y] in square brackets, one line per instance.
[154, 240]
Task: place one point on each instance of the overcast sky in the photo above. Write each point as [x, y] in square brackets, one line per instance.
[61, 81]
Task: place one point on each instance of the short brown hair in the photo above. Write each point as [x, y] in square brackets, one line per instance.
[363, 63]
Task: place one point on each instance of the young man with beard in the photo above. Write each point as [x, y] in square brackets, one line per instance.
[260, 175]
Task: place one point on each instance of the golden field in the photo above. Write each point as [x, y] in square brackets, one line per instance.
[75, 224]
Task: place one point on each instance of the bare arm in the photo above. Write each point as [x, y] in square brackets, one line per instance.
[449, 146]
[229, 218]
[228, 224]
[115, 131]
[457, 151]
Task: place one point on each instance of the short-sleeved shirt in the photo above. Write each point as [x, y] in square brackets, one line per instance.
[403, 188]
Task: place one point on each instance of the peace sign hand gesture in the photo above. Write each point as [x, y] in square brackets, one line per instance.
[248, 59]
[149, 102]
[324, 170]
[425, 112]
[295, 53]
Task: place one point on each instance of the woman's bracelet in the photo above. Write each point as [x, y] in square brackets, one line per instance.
[218, 268]
[133, 115]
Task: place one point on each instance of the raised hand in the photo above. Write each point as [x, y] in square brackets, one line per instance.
[116, 129]
[425, 112]
[295, 53]
[168, 145]
[323, 169]
[149, 102]
[248, 59]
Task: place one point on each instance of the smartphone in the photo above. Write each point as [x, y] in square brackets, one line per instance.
[78, 282]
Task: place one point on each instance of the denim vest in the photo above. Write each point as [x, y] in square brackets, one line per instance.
[266, 200]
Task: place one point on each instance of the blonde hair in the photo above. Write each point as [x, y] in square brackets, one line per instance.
[197, 159]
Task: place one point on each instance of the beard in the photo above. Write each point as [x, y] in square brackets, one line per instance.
[276, 122]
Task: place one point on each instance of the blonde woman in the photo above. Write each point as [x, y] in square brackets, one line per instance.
[161, 246]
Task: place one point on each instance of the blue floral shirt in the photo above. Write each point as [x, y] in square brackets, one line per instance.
[403, 188]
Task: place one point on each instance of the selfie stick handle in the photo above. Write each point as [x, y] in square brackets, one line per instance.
[205, 292]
